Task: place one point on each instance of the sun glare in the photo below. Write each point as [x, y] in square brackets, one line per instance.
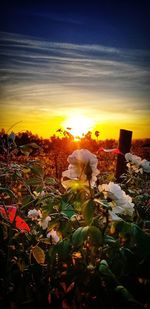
[78, 125]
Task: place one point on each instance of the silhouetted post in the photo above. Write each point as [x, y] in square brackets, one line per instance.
[124, 146]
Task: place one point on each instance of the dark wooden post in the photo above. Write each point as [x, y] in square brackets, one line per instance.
[124, 146]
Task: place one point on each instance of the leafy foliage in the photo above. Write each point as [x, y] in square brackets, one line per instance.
[60, 246]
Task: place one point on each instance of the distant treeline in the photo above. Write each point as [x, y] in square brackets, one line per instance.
[53, 151]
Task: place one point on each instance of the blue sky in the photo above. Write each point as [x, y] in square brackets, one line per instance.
[60, 58]
[112, 23]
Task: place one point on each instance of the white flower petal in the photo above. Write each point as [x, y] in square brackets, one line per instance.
[78, 162]
[114, 217]
[53, 234]
[33, 214]
[145, 165]
[44, 222]
[123, 202]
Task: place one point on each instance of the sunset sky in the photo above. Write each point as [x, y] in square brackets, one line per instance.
[65, 62]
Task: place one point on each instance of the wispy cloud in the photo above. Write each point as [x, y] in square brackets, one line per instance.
[62, 75]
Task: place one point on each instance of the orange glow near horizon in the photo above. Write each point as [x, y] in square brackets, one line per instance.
[45, 123]
[78, 125]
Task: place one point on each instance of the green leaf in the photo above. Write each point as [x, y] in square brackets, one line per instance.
[47, 205]
[95, 235]
[37, 170]
[67, 209]
[103, 203]
[45, 241]
[38, 254]
[34, 181]
[65, 228]
[103, 264]
[142, 239]
[88, 211]
[122, 227]
[9, 192]
[78, 205]
[50, 181]
[79, 236]
[82, 233]
[138, 238]
[26, 149]
[27, 200]
[54, 223]
[110, 240]
[129, 259]
[124, 293]
[63, 248]
[106, 272]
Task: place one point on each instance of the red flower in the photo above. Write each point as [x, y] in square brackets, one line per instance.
[10, 213]
[22, 225]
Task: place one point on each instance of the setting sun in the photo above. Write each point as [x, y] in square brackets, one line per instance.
[78, 125]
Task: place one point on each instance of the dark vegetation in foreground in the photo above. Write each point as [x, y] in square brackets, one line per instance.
[97, 264]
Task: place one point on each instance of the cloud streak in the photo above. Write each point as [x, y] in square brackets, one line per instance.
[61, 76]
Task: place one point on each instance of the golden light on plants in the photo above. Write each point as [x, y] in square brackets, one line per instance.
[78, 125]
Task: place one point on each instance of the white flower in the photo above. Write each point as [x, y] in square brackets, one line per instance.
[39, 194]
[112, 190]
[34, 214]
[123, 202]
[145, 165]
[124, 205]
[82, 166]
[133, 159]
[44, 222]
[128, 156]
[139, 165]
[135, 168]
[54, 236]
[114, 217]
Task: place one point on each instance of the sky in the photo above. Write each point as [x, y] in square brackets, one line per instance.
[83, 63]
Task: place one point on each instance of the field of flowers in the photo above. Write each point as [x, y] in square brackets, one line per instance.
[71, 237]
